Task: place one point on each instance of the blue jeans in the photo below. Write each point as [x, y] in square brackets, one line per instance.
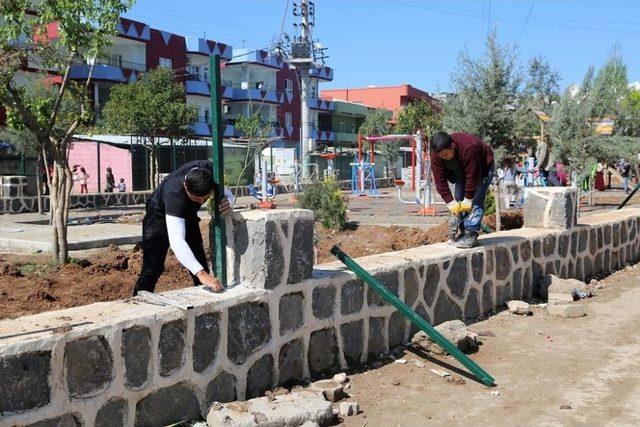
[473, 219]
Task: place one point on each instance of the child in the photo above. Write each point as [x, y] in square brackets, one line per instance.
[122, 187]
[83, 177]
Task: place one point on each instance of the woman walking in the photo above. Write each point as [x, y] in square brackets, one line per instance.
[599, 183]
[83, 178]
[111, 181]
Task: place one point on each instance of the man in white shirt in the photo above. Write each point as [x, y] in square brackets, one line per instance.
[171, 220]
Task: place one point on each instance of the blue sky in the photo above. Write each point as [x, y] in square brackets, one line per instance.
[389, 42]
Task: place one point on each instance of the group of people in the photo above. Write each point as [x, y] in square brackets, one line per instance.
[80, 175]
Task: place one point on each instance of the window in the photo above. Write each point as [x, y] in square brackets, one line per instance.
[341, 126]
[206, 115]
[313, 91]
[353, 128]
[288, 86]
[288, 119]
[166, 63]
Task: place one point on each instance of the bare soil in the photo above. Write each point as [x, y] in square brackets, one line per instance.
[30, 284]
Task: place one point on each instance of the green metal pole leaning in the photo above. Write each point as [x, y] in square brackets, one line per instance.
[407, 312]
[624, 202]
[217, 232]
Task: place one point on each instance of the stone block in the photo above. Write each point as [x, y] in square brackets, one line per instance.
[352, 334]
[431, 284]
[548, 245]
[66, 420]
[525, 250]
[457, 276]
[323, 353]
[560, 298]
[88, 366]
[352, 297]
[477, 266]
[550, 207]
[301, 261]
[567, 310]
[290, 363]
[389, 280]
[249, 329]
[471, 306]
[518, 307]
[422, 312]
[291, 312]
[260, 377]
[517, 284]
[112, 414]
[397, 329]
[166, 406]
[446, 309]
[377, 342]
[348, 409]
[24, 381]
[136, 351]
[331, 390]
[206, 336]
[503, 263]
[323, 301]
[411, 286]
[171, 346]
[221, 389]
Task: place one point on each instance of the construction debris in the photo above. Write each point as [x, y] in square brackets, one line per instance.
[340, 378]
[348, 408]
[440, 373]
[561, 291]
[455, 331]
[330, 389]
[518, 307]
[568, 310]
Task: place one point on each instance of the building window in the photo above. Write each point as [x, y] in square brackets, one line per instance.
[206, 115]
[288, 86]
[313, 92]
[341, 126]
[353, 128]
[166, 63]
[288, 119]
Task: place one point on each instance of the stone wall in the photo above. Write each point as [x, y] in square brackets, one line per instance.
[144, 364]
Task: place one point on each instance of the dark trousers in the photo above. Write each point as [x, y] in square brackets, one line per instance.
[155, 244]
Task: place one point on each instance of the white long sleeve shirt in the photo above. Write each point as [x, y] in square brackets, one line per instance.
[176, 230]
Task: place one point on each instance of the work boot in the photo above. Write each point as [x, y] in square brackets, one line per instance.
[468, 240]
[454, 224]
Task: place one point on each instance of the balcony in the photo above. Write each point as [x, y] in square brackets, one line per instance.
[258, 57]
[202, 128]
[106, 69]
[345, 137]
[321, 105]
[196, 85]
[322, 73]
[209, 47]
[253, 91]
[323, 135]
[133, 29]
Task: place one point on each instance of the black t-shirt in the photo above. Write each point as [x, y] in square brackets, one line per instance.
[170, 198]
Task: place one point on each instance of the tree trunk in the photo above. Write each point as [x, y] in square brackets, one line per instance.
[59, 205]
[39, 182]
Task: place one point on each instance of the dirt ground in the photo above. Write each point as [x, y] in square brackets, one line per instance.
[549, 371]
[29, 284]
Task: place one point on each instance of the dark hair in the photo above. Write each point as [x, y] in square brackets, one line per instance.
[199, 181]
[83, 170]
[440, 141]
[109, 170]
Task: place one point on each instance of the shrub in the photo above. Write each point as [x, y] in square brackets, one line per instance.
[490, 203]
[324, 198]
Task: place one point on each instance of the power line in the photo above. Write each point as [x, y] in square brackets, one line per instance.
[533, 3]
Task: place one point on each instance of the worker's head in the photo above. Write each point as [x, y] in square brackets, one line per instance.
[198, 183]
[442, 144]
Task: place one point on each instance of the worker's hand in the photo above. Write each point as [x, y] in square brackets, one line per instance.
[224, 206]
[454, 207]
[465, 205]
[209, 280]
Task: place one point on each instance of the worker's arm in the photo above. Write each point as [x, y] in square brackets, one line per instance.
[472, 160]
[440, 178]
[176, 230]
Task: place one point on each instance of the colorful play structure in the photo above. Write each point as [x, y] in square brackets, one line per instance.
[265, 184]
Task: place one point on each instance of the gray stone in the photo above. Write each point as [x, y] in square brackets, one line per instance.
[221, 389]
[249, 328]
[598, 264]
[390, 281]
[607, 260]
[24, 381]
[563, 245]
[632, 231]
[377, 342]
[274, 257]
[471, 306]
[352, 341]
[503, 263]
[112, 414]
[503, 294]
[397, 329]
[554, 299]
[487, 296]
[456, 332]
[584, 237]
[579, 273]
[331, 390]
[517, 284]
[66, 420]
[536, 274]
[171, 346]
[616, 235]
[518, 307]
[623, 233]
[457, 277]
[291, 312]
[348, 409]
[323, 352]
[574, 243]
[600, 239]
[290, 362]
[550, 207]
[490, 263]
[477, 266]
[588, 267]
[514, 254]
[323, 301]
[548, 245]
[260, 377]
[88, 366]
[301, 264]
[352, 297]
[411, 286]
[567, 310]
[206, 337]
[525, 250]
[166, 406]
[593, 243]
[607, 234]
[526, 283]
[446, 309]
[422, 312]
[431, 284]
[537, 248]
[136, 351]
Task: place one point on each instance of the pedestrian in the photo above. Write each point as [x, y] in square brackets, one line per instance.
[111, 181]
[171, 221]
[508, 186]
[83, 179]
[122, 187]
[599, 179]
[466, 161]
[626, 175]
[543, 156]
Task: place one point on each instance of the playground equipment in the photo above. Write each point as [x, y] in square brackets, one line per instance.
[363, 177]
[264, 190]
[330, 157]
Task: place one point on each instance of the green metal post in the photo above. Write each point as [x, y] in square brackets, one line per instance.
[407, 312]
[23, 167]
[217, 232]
[625, 201]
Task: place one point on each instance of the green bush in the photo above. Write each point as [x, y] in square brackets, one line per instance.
[324, 198]
[490, 203]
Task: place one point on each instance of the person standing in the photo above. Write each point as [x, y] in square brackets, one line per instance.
[466, 161]
[543, 156]
[599, 179]
[83, 178]
[122, 187]
[171, 221]
[626, 175]
[111, 181]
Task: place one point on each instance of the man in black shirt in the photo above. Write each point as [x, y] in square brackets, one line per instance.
[171, 220]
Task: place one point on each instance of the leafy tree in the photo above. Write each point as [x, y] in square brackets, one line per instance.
[256, 132]
[54, 112]
[610, 86]
[628, 123]
[543, 84]
[376, 123]
[153, 107]
[418, 115]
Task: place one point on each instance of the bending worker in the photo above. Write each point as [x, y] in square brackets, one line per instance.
[466, 161]
[171, 220]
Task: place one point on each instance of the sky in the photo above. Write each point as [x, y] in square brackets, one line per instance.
[391, 42]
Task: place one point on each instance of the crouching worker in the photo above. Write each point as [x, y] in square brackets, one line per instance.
[171, 220]
[466, 161]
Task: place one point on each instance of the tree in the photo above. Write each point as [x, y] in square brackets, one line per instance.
[610, 86]
[628, 123]
[85, 28]
[256, 132]
[418, 115]
[376, 123]
[153, 107]
[489, 100]
[543, 84]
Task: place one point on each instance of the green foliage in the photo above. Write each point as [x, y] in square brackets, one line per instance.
[628, 123]
[543, 84]
[418, 115]
[325, 199]
[252, 127]
[610, 85]
[490, 203]
[153, 106]
[376, 123]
